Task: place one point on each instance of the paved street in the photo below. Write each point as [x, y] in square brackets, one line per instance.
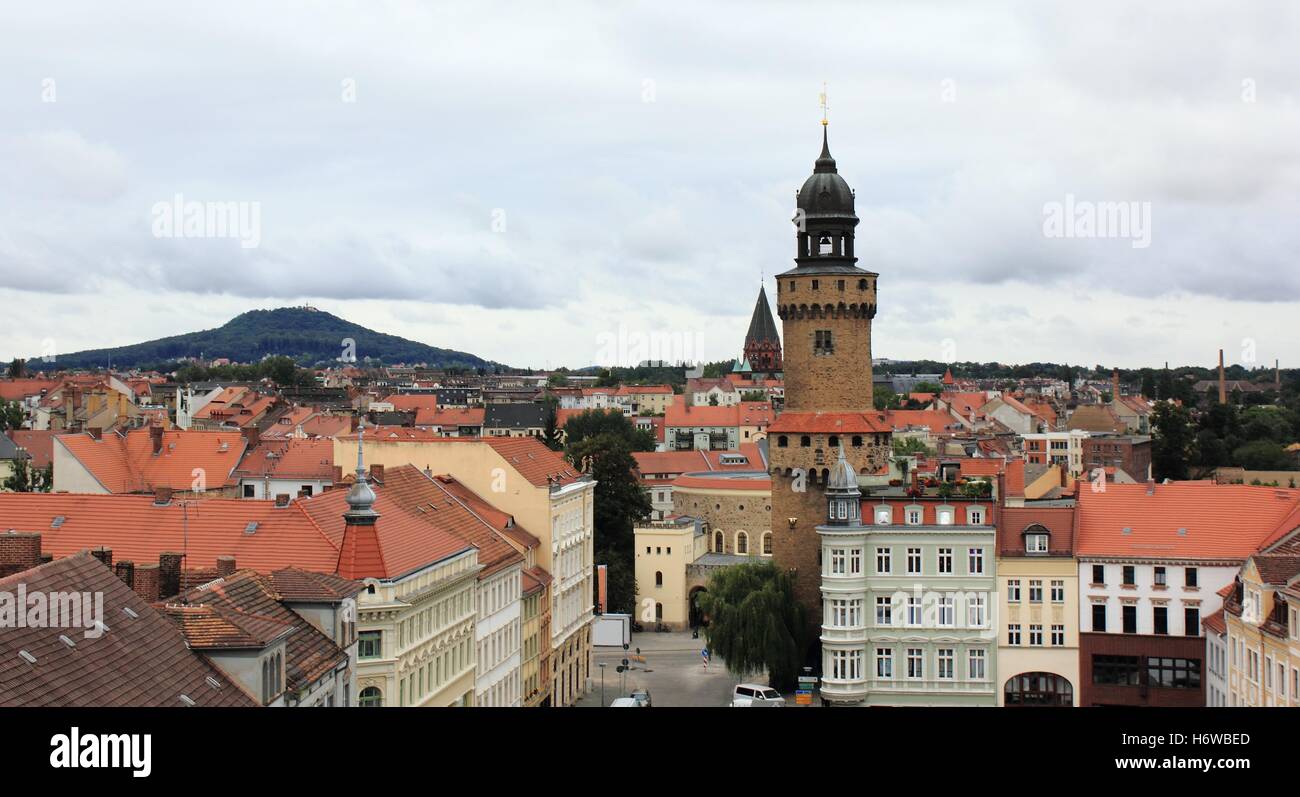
[673, 673]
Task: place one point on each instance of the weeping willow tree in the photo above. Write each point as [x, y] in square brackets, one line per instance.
[754, 621]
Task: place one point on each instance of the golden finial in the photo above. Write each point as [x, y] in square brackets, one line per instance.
[825, 106]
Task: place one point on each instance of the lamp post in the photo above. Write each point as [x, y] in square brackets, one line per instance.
[602, 684]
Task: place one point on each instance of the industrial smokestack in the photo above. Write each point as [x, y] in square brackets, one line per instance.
[1223, 383]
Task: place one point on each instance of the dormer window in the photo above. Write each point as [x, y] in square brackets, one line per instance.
[884, 515]
[1035, 543]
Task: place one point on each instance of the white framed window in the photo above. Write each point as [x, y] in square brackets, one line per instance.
[885, 663]
[975, 515]
[913, 516]
[1035, 543]
[944, 516]
[1013, 590]
[976, 615]
[884, 515]
[943, 661]
[975, 562]
[1058, 636]
[1035, 590]
[1036, 635]
[846, 665]
[1013, 633]
[839, 561]
[913, 610]
[1058, 591]
[855, 561]
[913, 560]
[884, 611]
[884, 561]
[915, 663]
[945, 561]
[947, 611]
[976, 665]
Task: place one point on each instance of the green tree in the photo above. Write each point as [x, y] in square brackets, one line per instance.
[591, 423]
[18, 368]
[910, 445]
[754, 621]
[1172, 441]
[885, 398]
[551, 433]
[621, 502]
[1262, 455]
[928, 387]
[24, 478]
[12, 415]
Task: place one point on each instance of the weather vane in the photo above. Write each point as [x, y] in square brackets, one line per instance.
[825, 105]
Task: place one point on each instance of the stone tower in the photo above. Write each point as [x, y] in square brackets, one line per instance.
[762, 343]
[826, 304]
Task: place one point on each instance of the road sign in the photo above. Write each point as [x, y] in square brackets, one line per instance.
[803, 698]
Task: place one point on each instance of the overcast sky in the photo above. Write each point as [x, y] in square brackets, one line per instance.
[534, 182]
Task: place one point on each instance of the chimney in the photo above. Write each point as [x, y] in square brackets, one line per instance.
[125, 570]
[225, 566]
[251, 436]
[1151, 486]
[1223, 384]
[377, 473]
[162, 496]
[156, 437]
[19, 551]
[169, 574]
[96, 433]
[338, 474]
[281, 500]
[104, 555]
[146, 582]
[1114, 386]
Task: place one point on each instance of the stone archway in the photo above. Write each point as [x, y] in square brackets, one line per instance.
[697, 617]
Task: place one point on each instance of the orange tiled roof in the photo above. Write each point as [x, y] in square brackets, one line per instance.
[705, 481]
[1216, 623]
[39, 445]
[829, 422]
[1222, 521]
[127, 464]
[939, 422]
[450, 416]
[19, 389]
[534, 461]
[676, 462]
[680, 414]
[293, 458]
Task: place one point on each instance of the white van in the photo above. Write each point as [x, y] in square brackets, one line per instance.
[756, 696]
[626, 702]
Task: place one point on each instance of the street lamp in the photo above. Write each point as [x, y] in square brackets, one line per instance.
[602, 684]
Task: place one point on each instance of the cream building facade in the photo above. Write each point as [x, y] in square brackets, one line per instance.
[548, 497]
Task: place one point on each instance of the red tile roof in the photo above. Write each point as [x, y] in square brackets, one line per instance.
[939, 422]
[450, 416]
[19, 389]
[680, 414]
[672, 463]
[126, 463]
[141, 660]
[534, 461]
[829, 423]
[39, 445]
[1216, 623]
[1222, 521]
[1059, 522]
[704, 481]
[292, 458]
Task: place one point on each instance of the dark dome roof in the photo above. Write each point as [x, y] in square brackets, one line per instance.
[825, 193]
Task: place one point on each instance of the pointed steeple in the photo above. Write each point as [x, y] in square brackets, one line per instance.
[825, 163]
[361, 498]
[360, 554]
[762, 343]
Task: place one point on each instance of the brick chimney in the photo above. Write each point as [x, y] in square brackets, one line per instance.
[19, 551]
[225, 566]
[252, 436]
[169, 573]
[377, 474]
[125, 570]
[1114, 386]
[281, 500]
[1223, 382]
[146, 582]
[156, 439]
[162, 496]
[103, 554]
[96, 433]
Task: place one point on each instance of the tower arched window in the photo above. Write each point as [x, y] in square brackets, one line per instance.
[862, 285]
[767, 543]
[824, 245]
[835, 441]
[805, 441]
[742, 543]
[659, 578]
[717, 542]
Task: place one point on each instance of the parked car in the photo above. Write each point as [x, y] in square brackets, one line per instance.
[626, 702]
[756, 696]
[642, 696]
